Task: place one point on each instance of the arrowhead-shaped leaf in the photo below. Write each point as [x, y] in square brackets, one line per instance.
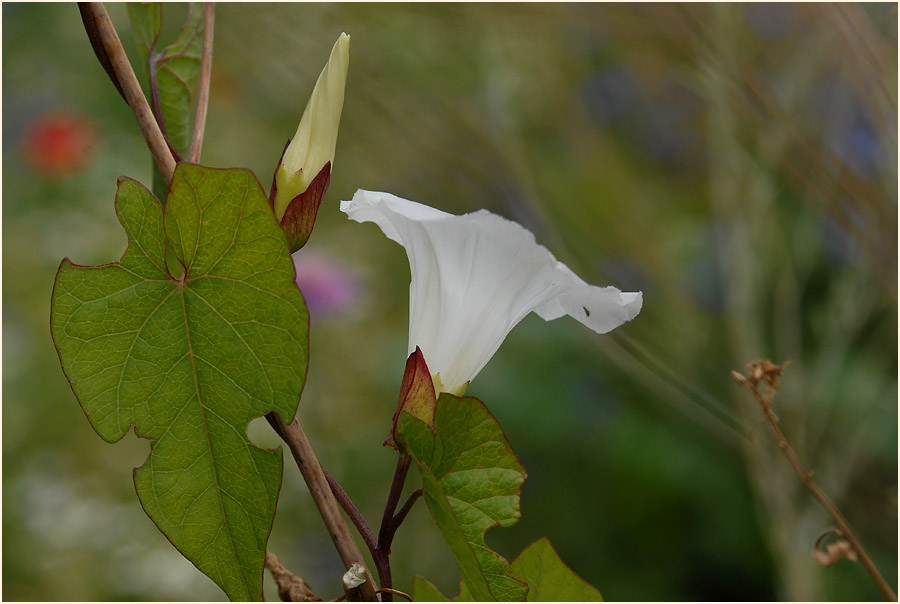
[189, 362]
[548, 578]
[472, 479]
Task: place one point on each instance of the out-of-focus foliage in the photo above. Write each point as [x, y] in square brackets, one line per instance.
[736, 163]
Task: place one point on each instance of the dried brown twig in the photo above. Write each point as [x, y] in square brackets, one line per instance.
[768, 372]
[291, 588]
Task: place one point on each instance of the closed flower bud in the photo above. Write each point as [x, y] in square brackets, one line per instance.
[417, 394]
[304, 172]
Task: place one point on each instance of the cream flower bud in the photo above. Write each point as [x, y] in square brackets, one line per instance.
[305, 166]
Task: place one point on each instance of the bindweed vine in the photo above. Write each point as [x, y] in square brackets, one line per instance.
[200, 327]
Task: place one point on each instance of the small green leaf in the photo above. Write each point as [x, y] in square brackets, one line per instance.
[548, 578]
[176, 67]
[146, 22]
[472, 479]
[424, 591]
[189, 362]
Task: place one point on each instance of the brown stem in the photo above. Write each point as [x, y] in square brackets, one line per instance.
[203, 87]
[95, 14]
[298, 443]
[764, 370]
[386, 532]
[382, 551]
[351, 510]
[90, 27]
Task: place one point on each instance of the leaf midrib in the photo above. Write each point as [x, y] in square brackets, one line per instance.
[225, 523]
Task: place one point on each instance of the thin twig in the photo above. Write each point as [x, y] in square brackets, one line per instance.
[296, 439]
[396, 592]
[380, 549]
[769, 372]
[203, 86]
[95, 14]
[386, 534]
[401, 515]
[382, 552]
[351, 510]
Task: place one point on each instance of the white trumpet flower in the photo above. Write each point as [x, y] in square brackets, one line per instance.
[474, 277]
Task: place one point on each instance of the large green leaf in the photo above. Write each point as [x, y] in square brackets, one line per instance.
[472, 479]
[189, 362]
[548, 578]
[176, 67]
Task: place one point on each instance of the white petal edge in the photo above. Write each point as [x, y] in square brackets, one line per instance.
[475, 276]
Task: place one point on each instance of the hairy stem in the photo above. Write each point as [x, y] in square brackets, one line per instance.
[297, 442]
[97, 21]
[203, 86]
[764, 370]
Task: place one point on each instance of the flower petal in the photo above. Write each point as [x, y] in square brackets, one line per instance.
[314, 143]
[474, 277]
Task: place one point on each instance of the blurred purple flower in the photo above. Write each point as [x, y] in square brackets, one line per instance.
[329, 287]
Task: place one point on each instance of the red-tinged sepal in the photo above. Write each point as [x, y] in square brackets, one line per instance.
[300, 215]
[417, 395]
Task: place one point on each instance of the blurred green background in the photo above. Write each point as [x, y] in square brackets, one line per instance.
[736, 163]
